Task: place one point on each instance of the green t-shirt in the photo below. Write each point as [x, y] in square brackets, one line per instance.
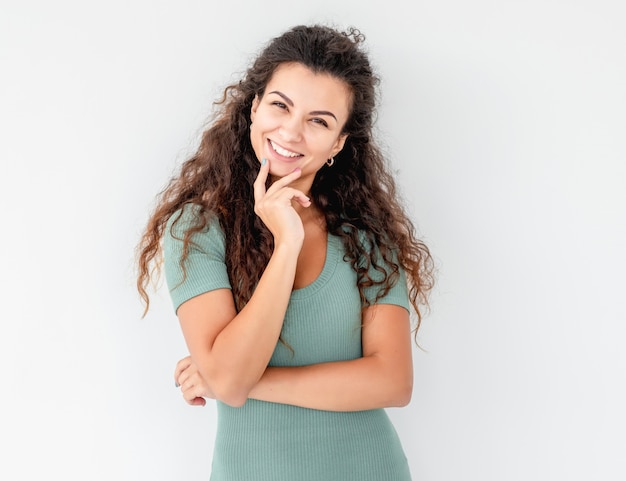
[264, 441]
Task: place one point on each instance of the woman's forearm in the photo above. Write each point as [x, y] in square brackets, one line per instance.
[356, 385]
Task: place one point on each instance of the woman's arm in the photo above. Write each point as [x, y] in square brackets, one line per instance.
[383, 377]
[231, 350]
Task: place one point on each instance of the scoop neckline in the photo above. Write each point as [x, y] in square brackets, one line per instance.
[333, 251]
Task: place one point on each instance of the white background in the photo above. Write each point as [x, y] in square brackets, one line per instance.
[505, 121]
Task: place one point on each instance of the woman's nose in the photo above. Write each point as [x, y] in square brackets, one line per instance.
[291, 129]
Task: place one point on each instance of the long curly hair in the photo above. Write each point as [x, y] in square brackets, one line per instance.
[358, 195]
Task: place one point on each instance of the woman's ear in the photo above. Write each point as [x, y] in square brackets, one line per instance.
[255, 105]
[341, 140]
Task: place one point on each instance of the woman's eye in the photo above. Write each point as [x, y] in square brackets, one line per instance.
[279, 105]
[320, 121]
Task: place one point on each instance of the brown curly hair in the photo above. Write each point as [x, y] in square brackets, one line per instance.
[358, 196]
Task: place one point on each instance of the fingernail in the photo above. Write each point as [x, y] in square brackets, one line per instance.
[176, 384]
[264, 161]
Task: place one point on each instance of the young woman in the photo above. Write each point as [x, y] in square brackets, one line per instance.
[293, 269]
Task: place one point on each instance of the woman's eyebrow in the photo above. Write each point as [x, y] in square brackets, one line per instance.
[323, 112]
[290, 103]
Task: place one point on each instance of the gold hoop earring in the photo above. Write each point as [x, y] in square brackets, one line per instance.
[330, 162]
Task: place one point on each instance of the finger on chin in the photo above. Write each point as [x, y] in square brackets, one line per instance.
[259, 183]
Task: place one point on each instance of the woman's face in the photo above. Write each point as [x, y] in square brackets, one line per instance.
[298, 121]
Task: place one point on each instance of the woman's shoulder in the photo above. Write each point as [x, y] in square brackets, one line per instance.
[194, 254]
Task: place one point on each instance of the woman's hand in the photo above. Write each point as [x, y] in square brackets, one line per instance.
[194, 388]
[274, 205]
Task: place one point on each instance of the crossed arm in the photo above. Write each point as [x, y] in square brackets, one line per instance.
[233, 367]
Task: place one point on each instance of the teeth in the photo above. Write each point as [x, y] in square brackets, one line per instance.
[282, 151]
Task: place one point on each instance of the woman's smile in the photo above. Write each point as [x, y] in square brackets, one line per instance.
[282, 152]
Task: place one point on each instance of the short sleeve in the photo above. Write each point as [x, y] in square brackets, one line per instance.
[398, 294]
[204, 269]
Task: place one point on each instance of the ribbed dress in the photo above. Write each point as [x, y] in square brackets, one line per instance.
[264, 441]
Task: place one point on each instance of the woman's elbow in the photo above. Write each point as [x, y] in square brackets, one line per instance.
[404, 398]
[231, 393]
[233, 401]
[401, 394]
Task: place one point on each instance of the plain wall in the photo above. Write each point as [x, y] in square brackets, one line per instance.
[505, 122]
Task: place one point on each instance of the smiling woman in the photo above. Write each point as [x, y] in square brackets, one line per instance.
[299, 122]
[293, 270]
